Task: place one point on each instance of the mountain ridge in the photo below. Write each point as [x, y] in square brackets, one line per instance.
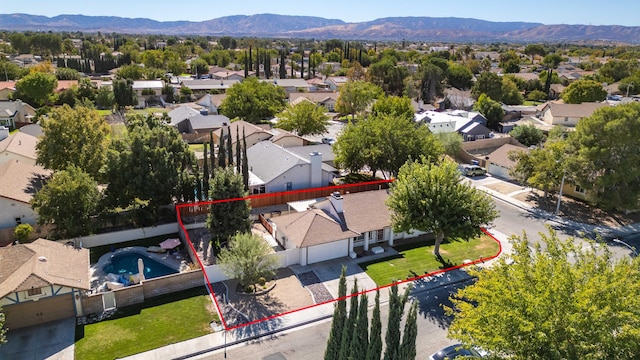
[412, 28]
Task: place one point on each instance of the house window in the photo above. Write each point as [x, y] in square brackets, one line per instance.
[34, 292]
[479, 137]
[566, 119]
[580, 189]
[289, 186]
[259, 190]
[18, 221]
[359, 238]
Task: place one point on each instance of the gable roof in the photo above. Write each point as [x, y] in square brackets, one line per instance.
[297, 83]
[66, 84]
[240, 126]
[574, 110]
[208, 84]
[42, 263]
[280, 134]
[311, 227]
[182, 113]
[19, 181]
[147, 84]
[20, 143]
[208, 121]
[33, 130]
[500, 156]
[325, 150]
[7, 85]
[315, 97]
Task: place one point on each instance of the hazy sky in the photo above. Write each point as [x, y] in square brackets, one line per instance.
[594, 12]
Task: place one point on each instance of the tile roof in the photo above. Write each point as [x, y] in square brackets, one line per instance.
[19, 181]
[20, 143]
[42, 263]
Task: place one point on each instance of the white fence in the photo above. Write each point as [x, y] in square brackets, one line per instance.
[125, 235]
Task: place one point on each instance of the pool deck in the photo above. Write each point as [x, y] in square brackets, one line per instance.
[98, 277]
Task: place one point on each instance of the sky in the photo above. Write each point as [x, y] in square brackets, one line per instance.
[586, 12]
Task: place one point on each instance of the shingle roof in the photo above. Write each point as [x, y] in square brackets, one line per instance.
[208, 121]
[575, 110]
[42, 263]
[182, 113]
[303, 151]
[315, 97]
[241, 126]
[20, 143]
[311, 227]
[279, 134]
[147, 84]
[19, 181]
[500, 156]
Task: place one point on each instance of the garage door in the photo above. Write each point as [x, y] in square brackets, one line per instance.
[499, 171]
[328, 251]
[38, 312]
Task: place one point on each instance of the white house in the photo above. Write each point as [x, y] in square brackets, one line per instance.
[499, 163]
[41, 282]
[18, 184]
[18, 147]
[567, 114]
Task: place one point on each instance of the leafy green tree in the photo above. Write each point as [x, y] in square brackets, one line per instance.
[631, 84]
[73, 137]
[67, 74]
[388, 76]
[552, 300]
[375, 336]
[36, 88]
[123, 94]
[451, 142]
[430, 77]
[384, 143]
[511, 95]
[248, 258]
[22, 232]
[131, 72]
[3, 330]
[433, 198]
[305, 118]
[104, 98]
[356, 96]
[542, 168]
[53, 204]
[332, 352]
[488, 83]
[226, 219]
[584, 91]
[394, 106]
[253, 100]
[199, 67]
[534, 49]
[459, 76]
[527, 135]
[616, 70]
[536, 95]
[607, 167]
[552, 60]
[490, 109]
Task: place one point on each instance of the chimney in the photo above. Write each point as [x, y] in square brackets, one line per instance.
[315, 158]
[336, 200]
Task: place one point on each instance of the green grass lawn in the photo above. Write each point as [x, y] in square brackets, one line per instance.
[105, 112]
[134, 329]
[417, 258]
[196, 147]
[96, 252]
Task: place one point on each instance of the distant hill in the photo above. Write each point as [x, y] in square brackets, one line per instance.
[271, 25]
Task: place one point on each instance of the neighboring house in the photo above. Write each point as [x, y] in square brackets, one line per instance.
[287, 139]
[253, 133]
[334, 82]
[291, 85]
[325, 99]
[34, 130]
[527, 76]
[230, 75]
[203, 124]
[326, 150]
[334, 227]
[148, 87]
[498, 162]
[277, 169]
[316, 84]
[458, 99]
[181, 113]
[65, 85]
[567, 114]
[211, 102]
[7, 88]
[18, 183]
[12, 112]
[201, 86]
[555, 90]
[41, 282]
[19, 147]
[471, 125]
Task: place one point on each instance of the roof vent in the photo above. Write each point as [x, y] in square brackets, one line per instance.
[42, 258]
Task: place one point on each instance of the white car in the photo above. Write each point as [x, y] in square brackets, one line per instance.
[328, 141]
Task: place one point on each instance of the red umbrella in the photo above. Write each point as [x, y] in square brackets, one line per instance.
[170, 243]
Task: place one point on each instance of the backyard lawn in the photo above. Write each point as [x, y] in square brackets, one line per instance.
[158, 322]
[417, 258]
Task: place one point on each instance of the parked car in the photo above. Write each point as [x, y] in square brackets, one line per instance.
[453, 352]
[328, 141]
[473, 170]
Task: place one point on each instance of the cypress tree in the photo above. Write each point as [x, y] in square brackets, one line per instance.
[258, 63]
[396, 309]
[293, 76]
[213, 157]
[408, 349]
[283, 70]
[360, 338]
[205, 174]
[198, 187]
[349, 324]
[238, 154]
[229, 148]
[246, 65]
[222, 155]
[332, 351]
[302, 66]
[245, 162]
[250, 59]
[374, 350]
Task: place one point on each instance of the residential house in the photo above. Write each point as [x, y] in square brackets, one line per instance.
[287, 139]
[13, 112]
[203, 124]
[18, 147]
[65, 85]
[7, 88]
[18, 183]
[291, 85]
[277, 169]
[316, 84]
[555, 90]
[498, 162]
[230, 75]
[148, 87]
[207, 85]
[211, 102]
[567, 114]
[42, 281]
[326, 99]
[471, 125]
[335, 82]
[34, 130]
[337, 226]
[253, 133]
[326, 150]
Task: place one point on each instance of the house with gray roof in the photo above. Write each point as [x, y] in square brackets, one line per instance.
[12, 112]
[278, 169]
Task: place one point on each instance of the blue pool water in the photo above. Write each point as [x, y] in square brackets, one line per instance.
[127, 263]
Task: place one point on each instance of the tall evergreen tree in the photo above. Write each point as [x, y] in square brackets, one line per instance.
[250, 59]
[246, 65]
[205, 174]
[332, 351]
[245, 162]
[349, 324]
[374, 350]
[408, 349]
[302, 65]
[283, 70]
[229, 148]
[360, 338]
[392, 338]
[258, 63]
[222, 154]
[199, 195]
[238, 154]
[213, 158]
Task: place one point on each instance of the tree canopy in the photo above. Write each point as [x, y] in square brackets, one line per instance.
[385, 143]
[490, 109]
[555, 300]
[432, 197]
[488, 83]
[527, 135]
[68, 200]
[248, 258]
[231, 217]
[73, 137]
[394, 106]
[253, 100]
[356, 96]
[36, 88]
[305, 118]
[584, 91]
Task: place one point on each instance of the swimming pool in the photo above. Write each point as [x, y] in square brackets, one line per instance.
[127, 263]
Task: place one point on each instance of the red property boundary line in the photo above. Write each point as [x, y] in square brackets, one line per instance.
[338, 187]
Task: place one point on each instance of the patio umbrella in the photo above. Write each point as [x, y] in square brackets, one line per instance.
[170, 243]
[141, 269]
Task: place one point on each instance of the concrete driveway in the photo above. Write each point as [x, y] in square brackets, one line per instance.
[54, 340]
[329, 273]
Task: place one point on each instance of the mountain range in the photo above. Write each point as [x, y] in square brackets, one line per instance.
[449, 29]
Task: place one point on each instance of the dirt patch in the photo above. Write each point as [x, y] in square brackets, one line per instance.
[577, 210]
[504, 188]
